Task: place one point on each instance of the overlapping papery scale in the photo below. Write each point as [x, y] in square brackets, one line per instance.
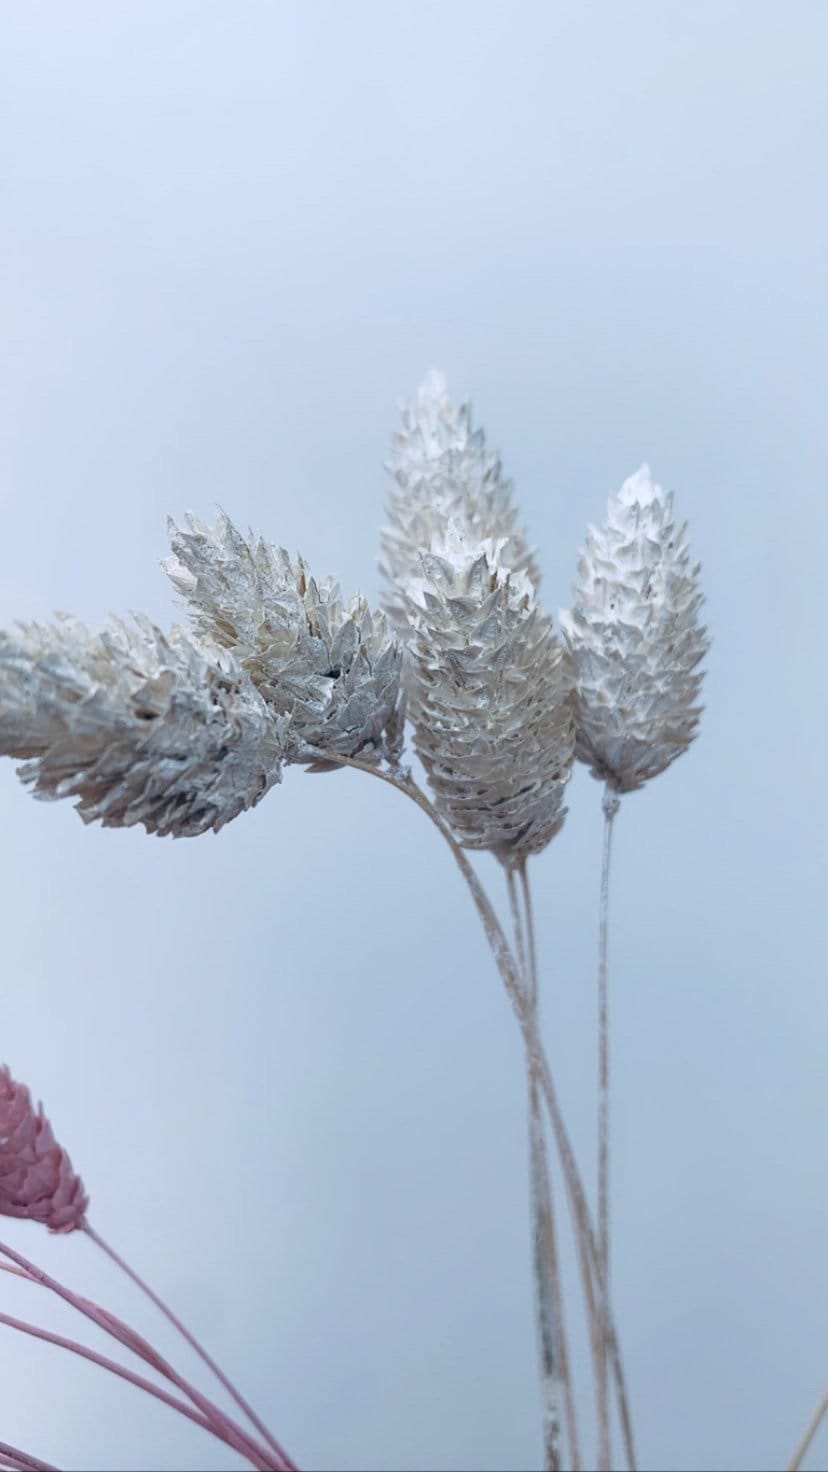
[635, 638]
[331, 669]
[489, 697]
[442, 471]
[37, 1180]
[139, 726]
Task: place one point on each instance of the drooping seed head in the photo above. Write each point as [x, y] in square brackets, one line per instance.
[37, 1180]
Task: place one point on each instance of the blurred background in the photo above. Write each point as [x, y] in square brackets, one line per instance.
[233, 235]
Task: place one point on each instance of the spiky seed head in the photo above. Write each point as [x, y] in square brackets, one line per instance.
[139, 726]
[331, 669]
[489, 697]
[636, 642]
[37, 1180]
[442, 471]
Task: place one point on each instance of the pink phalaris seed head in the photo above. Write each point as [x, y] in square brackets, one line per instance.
[36, 1176]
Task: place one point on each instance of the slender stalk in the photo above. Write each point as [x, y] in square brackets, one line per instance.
[556, 1370]
[24, 1460]
[810, 1432]
[191, 1340]
[609, 804]
[588, 1251]
[112, 1366]
[234, 1434]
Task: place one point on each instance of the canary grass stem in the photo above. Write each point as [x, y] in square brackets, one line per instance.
[609, 805]
[12, 1457]
[223, 1425]
[113, 1368]
[556, 1380]
[810, 1432]
[588, 1255]
[192, 1341]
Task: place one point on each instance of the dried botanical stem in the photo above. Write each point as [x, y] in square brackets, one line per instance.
[192, 1341]
[224, 1425]
[588, 1250]
[812, 1428]
[112, 1366]
[610, 804]
[556, 1379]
[24, 1460]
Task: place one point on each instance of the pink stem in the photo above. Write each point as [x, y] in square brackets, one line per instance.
[14, 1458]
[193, 1342]
[114, 1368]
[236, 1437]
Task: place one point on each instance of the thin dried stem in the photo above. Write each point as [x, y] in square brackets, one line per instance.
[556, 1378]
[609, 805]
[191, 1340]
[230, 1431]
[23, 1460]
[113, 1368]
[810, 1432]
[588, 1251]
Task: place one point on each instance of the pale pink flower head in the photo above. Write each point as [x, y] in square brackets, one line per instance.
[36, 1176]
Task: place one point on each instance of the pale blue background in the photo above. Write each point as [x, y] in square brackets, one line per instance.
[232, 236]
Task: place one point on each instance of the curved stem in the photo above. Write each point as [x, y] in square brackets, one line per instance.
[112, 1366]
[588, 1251]
[811, 1430]
[191, 1340]
[609, 805]
[231, 1432]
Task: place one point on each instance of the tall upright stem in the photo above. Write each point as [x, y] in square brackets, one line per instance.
[609, 804]
[556, 1378]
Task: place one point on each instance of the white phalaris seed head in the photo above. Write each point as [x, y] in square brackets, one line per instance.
[139, 726]
[489, 696]
[442, 471]
[332, 670]
[635, 638]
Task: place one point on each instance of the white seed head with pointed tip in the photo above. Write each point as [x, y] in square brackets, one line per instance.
[441, 471]
[635, 639]
[332, 670]
[139, 726]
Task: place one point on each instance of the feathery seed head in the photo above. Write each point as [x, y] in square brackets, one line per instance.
[331, 670]
[36, 1176]
[140, 726]
[635, 639]
[442, 471]
[489, 697]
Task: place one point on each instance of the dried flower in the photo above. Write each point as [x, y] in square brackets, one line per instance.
[140, 726]
[332, 670]
[443, 472]
[635, 638]
[36, 1176]
[489, 697]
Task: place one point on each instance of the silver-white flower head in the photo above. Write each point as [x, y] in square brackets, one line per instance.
[139, 726]
[442, 471]
[489, 696]
[333, 670]
[635, 638]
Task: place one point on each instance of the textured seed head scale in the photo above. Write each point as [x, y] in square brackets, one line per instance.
[331, 670]
[440, 471]
[139, 726]
[634, 635]
[489, 697]
[37, 1181]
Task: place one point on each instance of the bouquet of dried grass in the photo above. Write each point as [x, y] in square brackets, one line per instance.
[183, 731]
